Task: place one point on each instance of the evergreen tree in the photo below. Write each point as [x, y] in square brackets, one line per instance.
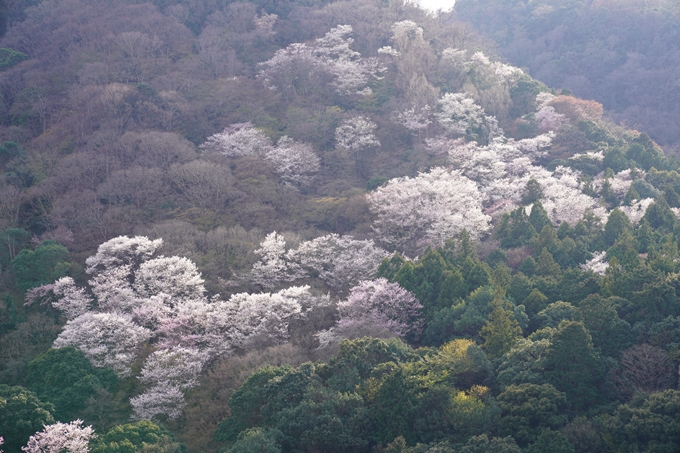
[532, 192]
[501, 330]
[539, 217]
[631, 197]
[616, 224]
[660, 216]
[546, 265]
[573, 366]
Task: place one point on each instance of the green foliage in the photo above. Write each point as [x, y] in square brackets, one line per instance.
[574, 367]
[10, 57]
[258, 440]
[660, 216]
[482, 444]
[393, 406]
[246, 403]
[554, 314]
[532, 192]
[615, 159]
[528, 266]
[13, 240]
[66, 378]
[616, 224]
[539, 217]
[631, 196]
[43, 265]
[546, 265]
[515, 229]
[610, 334]
[325, 420]
[649, 424]
[356, 359]
[526, 409]
[9, 316]
[524, 363]
[501, 330]
[520, 288]
[461, 363]
[554, 442]
[535, 302]
[135, 437]
[583, 435]
[390, 266]
[22, 414]
[368, 392]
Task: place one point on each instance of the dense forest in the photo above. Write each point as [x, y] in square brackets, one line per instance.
[622, 53]
[311, 226]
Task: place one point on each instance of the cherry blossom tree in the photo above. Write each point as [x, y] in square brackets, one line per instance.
[381, 304]
[61, 437]
[273, 267]
[295, 163]
[107, 339]
[135, 298]
[411, 56]
[178, 366]
[598, 263]
[64, 295]
[175, 276]
[122, 251]
[238, 140]
[169, 373]
[442, 145]
[548, 119]
[637, 210]
[356, 134]
[412, 213]
[413, 119]
[159, 400]
[299, 69]
[458, 113]
[339, 261]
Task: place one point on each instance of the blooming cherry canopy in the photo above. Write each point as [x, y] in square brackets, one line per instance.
[301, 68]
[381, 304]
[136, 298]
[296, 163]
[356, 134]
[412, 213]
[61, 437]
[339, 261]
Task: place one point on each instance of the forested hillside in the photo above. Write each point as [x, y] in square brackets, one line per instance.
[321, 227]
[622, 53]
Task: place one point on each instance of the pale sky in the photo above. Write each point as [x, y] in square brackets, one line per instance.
[434, 5]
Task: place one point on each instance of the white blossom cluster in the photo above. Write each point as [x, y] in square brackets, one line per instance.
[238, 140]
[412, 213]
[136, 298]
[415, 212]
[61, 437]
[301, 67]
[339, 261]
[296, 163]
[356, 134]
[415, 120]
[637, 210]
[598, 263]
[459, 113]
